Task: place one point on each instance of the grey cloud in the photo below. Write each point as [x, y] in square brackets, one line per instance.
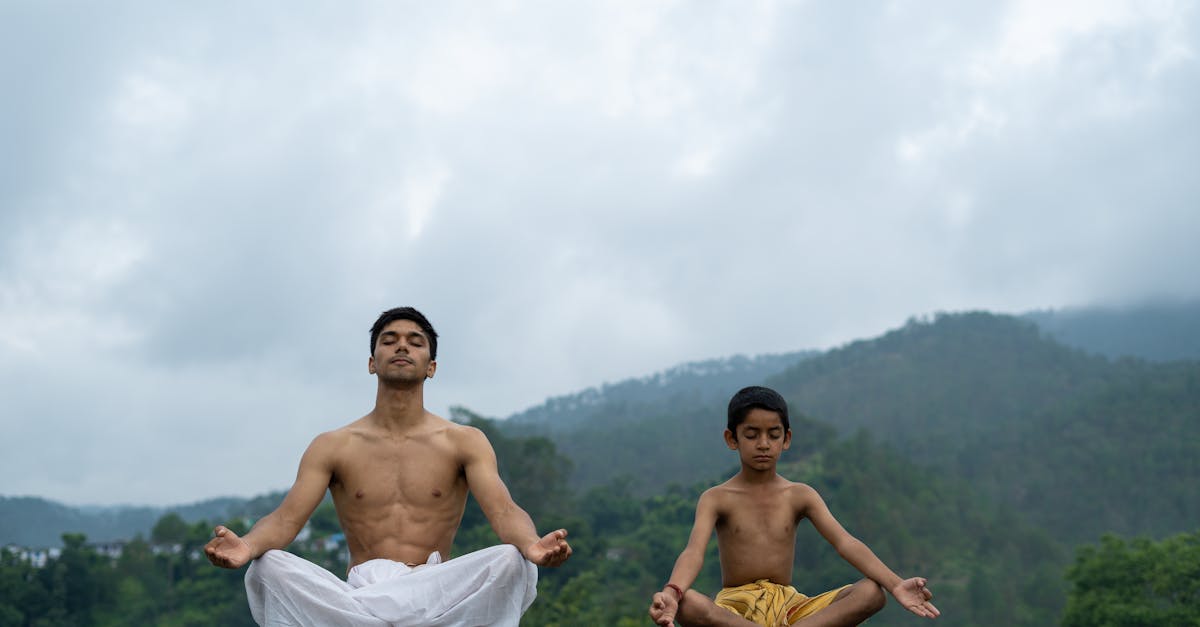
[573, 195]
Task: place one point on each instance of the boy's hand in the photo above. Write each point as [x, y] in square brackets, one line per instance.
[551, 550]
[663, 608]
[226, 549]
[914, 596]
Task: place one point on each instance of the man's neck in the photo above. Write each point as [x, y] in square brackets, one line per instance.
[399, 407]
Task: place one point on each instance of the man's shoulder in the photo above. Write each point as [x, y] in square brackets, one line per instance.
[464, 438]
[345, 433]
[457, 430]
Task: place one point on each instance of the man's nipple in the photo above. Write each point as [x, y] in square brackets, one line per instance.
[437, 492]
[358, 494]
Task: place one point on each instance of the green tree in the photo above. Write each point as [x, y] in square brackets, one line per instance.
[170, 529]
[1126, 583]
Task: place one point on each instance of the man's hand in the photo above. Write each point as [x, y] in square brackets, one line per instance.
[227, 550]
[914, 596]
[663, 609]
[551, 550]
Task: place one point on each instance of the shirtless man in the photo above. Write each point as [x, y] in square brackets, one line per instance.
[755, 515]
[399, 478]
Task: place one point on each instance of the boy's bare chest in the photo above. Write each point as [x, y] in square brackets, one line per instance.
[758, 519]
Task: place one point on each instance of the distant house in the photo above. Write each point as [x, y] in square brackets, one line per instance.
[112, 549]
[36, 557]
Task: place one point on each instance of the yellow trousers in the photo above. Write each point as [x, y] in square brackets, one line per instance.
[769, 604]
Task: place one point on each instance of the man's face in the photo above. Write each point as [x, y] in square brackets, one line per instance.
[402, 353]
[760, 440]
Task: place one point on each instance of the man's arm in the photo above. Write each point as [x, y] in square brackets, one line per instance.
[911, 593]
[511, 523]
[277, 529]
[687, 566]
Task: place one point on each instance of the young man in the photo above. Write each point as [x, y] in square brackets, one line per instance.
[755, 515]
[399, 478]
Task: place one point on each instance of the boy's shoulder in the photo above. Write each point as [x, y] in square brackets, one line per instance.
[735, 487]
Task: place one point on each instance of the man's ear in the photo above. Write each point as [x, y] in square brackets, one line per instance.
[371, 365]
[731, 439]
[787, 439]
[430, 370]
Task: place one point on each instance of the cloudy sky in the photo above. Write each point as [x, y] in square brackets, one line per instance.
[204, 207]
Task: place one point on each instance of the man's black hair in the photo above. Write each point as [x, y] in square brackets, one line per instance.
[756, 396]
[405, 313]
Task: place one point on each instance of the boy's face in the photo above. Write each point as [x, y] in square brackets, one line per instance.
[760, 439]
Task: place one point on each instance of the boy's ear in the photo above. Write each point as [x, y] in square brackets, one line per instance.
[787, 439]
[371, 365]
[731, 439]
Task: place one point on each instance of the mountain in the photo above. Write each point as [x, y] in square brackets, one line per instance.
[1156, 332]
[696, 383]
[621, 428]
[36, 522]
[1081, 443]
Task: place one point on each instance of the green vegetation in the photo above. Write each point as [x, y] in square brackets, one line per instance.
[1139, 582]
[967, 448]
[625, 546]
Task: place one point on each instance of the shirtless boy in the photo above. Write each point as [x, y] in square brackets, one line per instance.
[399, 478]
[755, 514]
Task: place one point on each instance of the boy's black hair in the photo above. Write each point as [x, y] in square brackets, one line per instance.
[756, 396]
[405, 313]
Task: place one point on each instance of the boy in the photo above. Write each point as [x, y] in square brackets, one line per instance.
[755, 515]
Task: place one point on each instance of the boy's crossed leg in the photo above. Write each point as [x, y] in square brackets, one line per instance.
[853, 605]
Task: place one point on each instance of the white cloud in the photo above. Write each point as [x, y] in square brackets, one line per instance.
[573, 192]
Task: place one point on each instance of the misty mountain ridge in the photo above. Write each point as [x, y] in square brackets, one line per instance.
[1084, 444]
[1052, 392]
[702, 382]
[1155, 332]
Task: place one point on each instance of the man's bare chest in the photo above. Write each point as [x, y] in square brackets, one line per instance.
[381, 477]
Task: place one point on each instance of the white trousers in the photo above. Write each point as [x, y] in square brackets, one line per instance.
[493, 586]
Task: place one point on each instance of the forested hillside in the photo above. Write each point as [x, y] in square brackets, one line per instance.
[972, 448]
[697, 383]
[36, 522]
[1082, 444]
[917, 520]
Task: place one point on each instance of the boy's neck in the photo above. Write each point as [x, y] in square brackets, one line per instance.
[757, 477]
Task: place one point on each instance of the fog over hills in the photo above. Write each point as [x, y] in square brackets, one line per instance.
[950, 392]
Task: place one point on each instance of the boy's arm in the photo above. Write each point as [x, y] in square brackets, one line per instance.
[511, 523]
[277, 529]
[911, 593]
[687, 566]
